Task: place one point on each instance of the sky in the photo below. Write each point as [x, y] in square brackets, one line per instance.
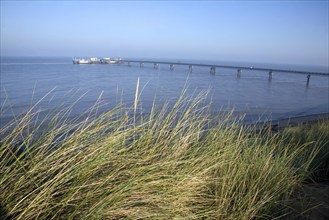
[290, 32]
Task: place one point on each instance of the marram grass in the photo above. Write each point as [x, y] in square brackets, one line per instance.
[172, 164]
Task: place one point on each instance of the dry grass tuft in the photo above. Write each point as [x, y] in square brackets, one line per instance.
[172, 164]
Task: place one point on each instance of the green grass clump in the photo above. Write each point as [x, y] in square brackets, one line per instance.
[315, 137]
[178, 163]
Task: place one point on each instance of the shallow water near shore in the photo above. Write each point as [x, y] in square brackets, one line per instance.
[24, 81]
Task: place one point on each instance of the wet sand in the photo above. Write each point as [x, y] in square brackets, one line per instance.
[280, 124]
[309, 119]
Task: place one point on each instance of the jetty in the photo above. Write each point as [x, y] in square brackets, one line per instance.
[190, 66]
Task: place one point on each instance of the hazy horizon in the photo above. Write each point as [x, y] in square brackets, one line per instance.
[287, 32]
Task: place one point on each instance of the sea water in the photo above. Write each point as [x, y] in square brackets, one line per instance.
[54, 83]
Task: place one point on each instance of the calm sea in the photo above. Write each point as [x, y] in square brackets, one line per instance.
[25, 81]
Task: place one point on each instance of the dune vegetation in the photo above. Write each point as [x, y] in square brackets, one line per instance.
[174, 163]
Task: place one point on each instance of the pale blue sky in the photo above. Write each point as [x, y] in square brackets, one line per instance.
[294, 32]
